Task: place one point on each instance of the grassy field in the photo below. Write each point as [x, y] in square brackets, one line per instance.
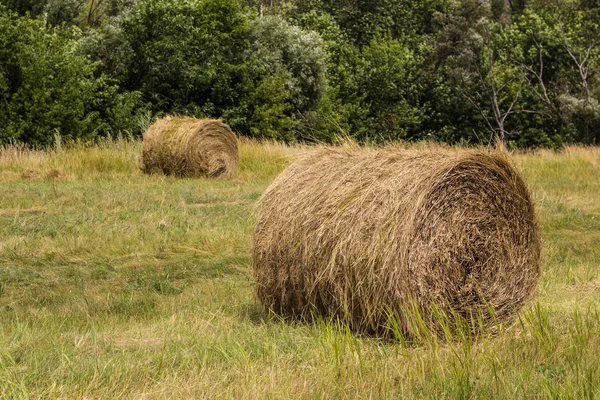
[118, 285]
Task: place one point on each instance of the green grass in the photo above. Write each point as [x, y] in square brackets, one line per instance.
[118, 285]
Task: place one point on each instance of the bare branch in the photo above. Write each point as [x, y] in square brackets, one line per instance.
[539, 75]
[509, 111]
[474, 103]
[581, 64]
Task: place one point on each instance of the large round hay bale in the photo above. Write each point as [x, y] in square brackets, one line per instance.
[389, 240]
[184, 146]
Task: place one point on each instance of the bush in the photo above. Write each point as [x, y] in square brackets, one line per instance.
[48, 87]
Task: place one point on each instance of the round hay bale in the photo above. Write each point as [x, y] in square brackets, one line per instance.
[184, 146]
[389, 240]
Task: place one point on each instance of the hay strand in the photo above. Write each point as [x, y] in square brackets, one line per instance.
[363, 235]
[184, 146]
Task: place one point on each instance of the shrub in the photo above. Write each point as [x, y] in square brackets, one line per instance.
[48, 87]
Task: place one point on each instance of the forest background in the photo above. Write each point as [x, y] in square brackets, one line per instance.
[456, 71]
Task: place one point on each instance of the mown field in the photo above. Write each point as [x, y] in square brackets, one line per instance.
[118, 285]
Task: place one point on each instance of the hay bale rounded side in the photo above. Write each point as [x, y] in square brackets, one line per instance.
[184, 146]
[362, 235]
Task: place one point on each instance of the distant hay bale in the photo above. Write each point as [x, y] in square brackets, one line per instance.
[184, 146]
[438, 236]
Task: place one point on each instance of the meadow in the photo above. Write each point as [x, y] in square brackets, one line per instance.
[114, 284]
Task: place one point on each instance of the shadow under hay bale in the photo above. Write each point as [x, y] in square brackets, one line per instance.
[184, 146]
[365, 235]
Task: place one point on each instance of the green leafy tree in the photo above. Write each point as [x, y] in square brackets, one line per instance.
[579, 34]
[188, 54]
[48, 86]
[110, 48]
[377, 92]
[558, 54]
[288, 67]
[474, 55]
[82, 13]
[365, 20]
[385, 97]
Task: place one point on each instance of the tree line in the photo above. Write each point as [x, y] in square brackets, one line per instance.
[457, 71]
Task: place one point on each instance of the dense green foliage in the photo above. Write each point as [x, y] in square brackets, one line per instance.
[48, 88]
[287, 69]
[186, 54]
[453, 70]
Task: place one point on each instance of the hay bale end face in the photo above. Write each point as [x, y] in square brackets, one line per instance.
[184, 146]
[362, 235]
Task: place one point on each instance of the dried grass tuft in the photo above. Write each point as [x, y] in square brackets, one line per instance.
[383, 235]
[184, 146]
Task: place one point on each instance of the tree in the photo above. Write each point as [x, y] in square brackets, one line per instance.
[579, 33]
[558, 54]
[365, 20]
[188, 54]
[48, 86]
[287, 67]
[473, 51]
